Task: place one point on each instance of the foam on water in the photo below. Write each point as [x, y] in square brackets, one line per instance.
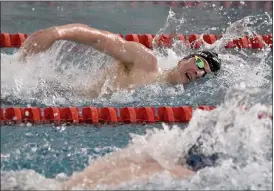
[243, 141]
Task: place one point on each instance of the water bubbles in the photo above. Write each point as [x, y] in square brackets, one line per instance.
[61, 177]
[28, 124]
[4, 156]
[33, 149]
[61, 128]
[27, 113]
[242, 85]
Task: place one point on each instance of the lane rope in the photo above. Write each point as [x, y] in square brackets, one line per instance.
[194, 41]
[105, 115]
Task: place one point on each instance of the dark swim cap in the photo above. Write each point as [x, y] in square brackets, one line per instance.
[211, 58]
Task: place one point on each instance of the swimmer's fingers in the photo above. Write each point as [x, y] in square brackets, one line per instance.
[28, 48]
[24, 50]
[38, 42]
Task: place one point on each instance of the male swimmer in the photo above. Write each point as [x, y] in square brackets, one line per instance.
[135, 64]
[129, 165]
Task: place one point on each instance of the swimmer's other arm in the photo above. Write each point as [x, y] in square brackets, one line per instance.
[104, 41]
[121, 166]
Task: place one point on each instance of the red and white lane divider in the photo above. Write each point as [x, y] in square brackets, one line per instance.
[104, 115]
[193, 40]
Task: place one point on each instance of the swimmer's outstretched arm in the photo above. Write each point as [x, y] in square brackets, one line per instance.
[104, 41]
[122, 166]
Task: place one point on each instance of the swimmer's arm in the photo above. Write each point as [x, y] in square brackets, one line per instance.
[106, 42]
[114, 175]
[110, 44]
[180, 172]
[122, 166]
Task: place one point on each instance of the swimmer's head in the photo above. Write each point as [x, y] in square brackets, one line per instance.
[197, 65]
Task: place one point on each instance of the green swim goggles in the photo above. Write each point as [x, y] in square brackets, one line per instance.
[200, 64]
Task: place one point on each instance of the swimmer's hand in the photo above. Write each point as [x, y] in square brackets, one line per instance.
[39, 41]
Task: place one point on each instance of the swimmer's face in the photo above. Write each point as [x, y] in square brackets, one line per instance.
[193, 68]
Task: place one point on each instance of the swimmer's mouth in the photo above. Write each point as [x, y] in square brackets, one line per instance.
[188, 76]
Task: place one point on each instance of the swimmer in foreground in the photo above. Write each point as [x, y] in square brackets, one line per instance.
[129, 164]
[122, 166]
[135, 64]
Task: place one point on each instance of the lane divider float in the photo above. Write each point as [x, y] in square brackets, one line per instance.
[105, 115]
[195, 41]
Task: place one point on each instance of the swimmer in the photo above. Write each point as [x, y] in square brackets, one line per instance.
[129, 165]
[135, 65]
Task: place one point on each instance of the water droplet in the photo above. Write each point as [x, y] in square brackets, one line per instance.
[26, 113]
[29, 124]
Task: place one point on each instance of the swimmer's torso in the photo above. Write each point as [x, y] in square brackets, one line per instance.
[121, 76]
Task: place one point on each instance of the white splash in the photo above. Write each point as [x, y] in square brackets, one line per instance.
[243, 141]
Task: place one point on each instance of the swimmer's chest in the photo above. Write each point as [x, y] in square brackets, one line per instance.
[118, 77]
[126, 77]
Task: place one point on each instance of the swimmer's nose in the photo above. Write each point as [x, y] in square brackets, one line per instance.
[200, 73]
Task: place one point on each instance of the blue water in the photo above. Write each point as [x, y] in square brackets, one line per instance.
[50, 151]
[34, 148]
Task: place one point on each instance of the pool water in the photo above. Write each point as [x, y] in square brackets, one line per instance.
[41, 157]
